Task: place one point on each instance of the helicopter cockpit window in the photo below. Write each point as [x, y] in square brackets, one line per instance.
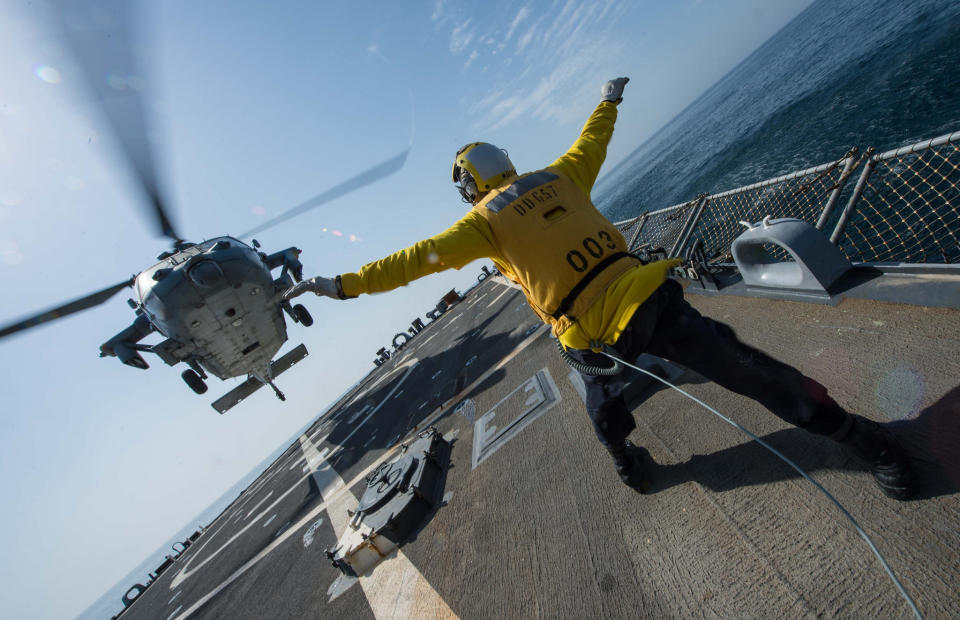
[206, 273]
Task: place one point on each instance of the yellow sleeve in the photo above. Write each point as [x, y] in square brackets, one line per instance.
[582, 162]
[462, 243]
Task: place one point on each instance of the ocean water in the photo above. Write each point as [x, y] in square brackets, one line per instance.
[843, 73]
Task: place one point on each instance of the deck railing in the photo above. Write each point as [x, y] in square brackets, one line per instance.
[905, 207]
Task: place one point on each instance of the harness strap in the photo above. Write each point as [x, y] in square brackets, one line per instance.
[582, 284]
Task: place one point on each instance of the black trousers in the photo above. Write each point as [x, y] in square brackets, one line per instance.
[667, 326]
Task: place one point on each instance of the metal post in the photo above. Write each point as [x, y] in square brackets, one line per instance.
[857, 192]
[835, 194]
[636, 234]
[689, 225]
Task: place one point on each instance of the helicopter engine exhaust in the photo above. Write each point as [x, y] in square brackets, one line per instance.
[129, 357]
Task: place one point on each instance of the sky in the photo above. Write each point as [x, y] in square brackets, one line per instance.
[253, 109]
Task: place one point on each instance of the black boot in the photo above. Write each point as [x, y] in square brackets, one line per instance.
[872, 444]
[629, 460]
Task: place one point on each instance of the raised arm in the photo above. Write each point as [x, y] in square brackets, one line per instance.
[583, 161]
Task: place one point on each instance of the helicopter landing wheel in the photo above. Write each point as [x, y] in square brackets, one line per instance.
[192, 379]
[303, 316]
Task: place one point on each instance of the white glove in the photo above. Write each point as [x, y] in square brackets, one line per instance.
[613, 89]
[326, 287]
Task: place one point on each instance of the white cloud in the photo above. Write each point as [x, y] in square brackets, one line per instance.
[565, 56]
[437, 10]
[521, 15]
[460, 37]
[470, 59]
[562, 21]
[526, 38]
[374, 50]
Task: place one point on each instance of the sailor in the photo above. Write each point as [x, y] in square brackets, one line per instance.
[543, 232]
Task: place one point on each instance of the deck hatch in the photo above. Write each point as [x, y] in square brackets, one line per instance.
[513, 413]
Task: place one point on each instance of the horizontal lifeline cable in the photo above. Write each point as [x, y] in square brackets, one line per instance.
[876, 552]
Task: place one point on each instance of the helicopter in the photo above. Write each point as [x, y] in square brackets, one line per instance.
[216, 302]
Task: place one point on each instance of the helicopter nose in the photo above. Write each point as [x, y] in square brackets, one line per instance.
[206, 273]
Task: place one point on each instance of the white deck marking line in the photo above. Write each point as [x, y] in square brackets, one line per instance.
[319, 441]
[174, 612]
[334, 491]
[394, 588]
[520, 347]
[184, 573]
[302, 461]
[377, 382]
[413, 364]
[427, 340]
[314, 457]
[495, 299]
[354, 417]
[259, 504]
[422, 597]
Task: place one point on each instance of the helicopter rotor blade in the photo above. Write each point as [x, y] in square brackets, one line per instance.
[99, 35]
[89, 301]
[371, 175]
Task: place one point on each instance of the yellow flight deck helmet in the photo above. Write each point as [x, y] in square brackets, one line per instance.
[480, 167]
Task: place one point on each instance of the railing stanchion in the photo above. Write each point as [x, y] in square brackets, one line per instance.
[636, 234]
[835, 194]
[690, 224]
[857, 192]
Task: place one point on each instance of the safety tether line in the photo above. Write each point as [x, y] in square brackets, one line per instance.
[876, 552]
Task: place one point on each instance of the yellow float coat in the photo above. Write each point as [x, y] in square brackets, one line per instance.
[472, 238]
[559, 248]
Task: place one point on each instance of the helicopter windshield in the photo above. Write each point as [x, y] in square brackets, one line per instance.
[206, 273]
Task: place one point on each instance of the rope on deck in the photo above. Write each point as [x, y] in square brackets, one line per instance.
[876, 552]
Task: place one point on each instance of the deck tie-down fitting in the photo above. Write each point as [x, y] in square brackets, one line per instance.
[816, 263]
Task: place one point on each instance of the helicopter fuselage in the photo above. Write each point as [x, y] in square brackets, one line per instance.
[218, 305]
[217, 302]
